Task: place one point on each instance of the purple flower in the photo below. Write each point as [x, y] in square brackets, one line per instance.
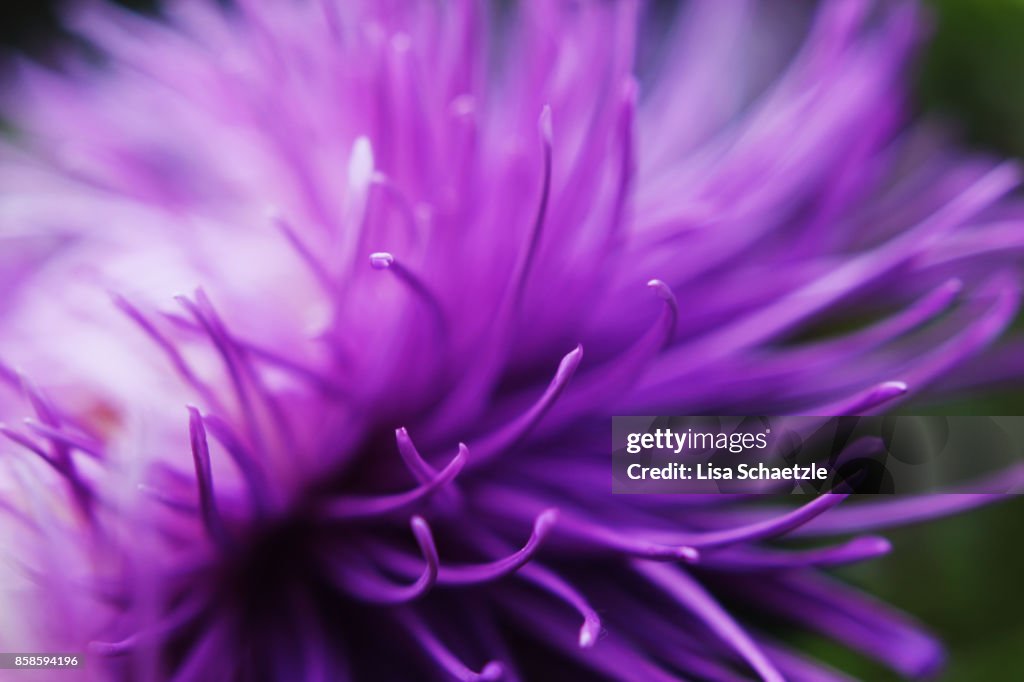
[368, 444]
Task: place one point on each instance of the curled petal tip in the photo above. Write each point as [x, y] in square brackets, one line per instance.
[544, 124]
[894, 388]
[492, 671]
[381, 260]
[570, 362]
[871, 398]
[930, 660]
[547, 519]
[873, 545]
[688, 554]
[589, 633]
[663, 290]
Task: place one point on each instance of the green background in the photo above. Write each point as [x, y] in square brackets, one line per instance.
[964, 576]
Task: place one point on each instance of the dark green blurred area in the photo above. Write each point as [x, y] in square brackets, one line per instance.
[973, 71]
[964, 576]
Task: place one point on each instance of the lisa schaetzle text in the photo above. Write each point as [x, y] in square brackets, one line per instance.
[706, 471]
